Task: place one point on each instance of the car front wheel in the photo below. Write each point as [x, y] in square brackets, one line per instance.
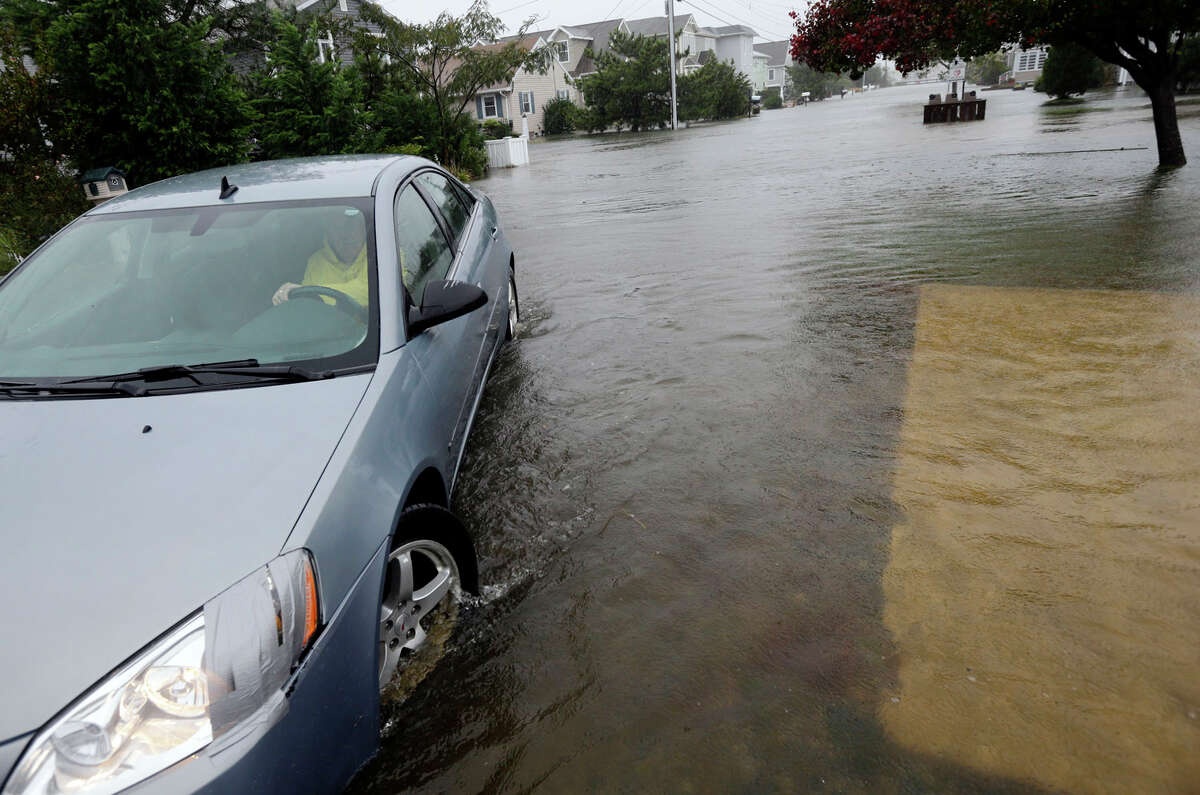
[432, 561]
[514, 309]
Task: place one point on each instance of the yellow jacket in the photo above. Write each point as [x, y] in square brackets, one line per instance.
[325, 269]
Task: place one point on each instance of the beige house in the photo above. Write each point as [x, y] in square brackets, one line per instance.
[524, 97]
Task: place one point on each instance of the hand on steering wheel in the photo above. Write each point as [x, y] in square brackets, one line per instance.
[342, 301]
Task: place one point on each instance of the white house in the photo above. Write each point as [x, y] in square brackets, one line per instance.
[1025, 66]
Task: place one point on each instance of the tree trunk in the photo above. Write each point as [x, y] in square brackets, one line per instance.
[1166, 123]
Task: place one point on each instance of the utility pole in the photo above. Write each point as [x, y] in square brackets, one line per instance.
[671, 56]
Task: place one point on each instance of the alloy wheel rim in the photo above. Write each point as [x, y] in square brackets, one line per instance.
[421, 576]
[512, 307]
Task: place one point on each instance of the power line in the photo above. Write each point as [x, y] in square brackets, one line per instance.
[514, 8]
[784, 7]
[712, 13]
[708, 9]
[614, 10]
[639, 8]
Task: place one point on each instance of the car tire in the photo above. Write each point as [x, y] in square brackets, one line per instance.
[514, 308]
[431, 562]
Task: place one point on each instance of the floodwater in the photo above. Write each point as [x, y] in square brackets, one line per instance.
[837, 453]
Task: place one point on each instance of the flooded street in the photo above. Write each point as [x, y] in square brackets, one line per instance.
[837, 453]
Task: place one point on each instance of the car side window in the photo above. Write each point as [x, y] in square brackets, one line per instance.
[454, 209]
[424, 252]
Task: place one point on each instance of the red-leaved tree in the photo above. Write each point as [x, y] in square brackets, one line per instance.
[1144, 36]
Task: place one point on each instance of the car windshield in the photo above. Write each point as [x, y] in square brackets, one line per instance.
[120, 292]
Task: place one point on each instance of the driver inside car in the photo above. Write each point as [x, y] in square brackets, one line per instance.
[340, 264]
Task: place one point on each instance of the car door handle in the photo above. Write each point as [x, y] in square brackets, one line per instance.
[495, 231]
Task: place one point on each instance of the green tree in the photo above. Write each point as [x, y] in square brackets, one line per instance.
[134, 86]
[37, 194]
[449, 60]
[985, 70]
[1188, 78]
[802, 77]
[303, 106]
[714, 91]
[1070, 69]
[558, 117]
[877, 76]
[395, 116]
[632, 84]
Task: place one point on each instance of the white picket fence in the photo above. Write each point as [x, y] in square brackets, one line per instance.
[508, 152]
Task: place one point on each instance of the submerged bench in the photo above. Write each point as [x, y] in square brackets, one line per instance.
[938, 111]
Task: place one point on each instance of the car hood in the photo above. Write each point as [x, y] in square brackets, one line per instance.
[122, 516]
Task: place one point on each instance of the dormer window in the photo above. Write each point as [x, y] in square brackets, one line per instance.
[561, 52]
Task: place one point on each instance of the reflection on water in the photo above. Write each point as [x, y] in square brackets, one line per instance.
[775, 448]
[1042, 585]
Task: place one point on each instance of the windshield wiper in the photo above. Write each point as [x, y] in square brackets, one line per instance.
[249, 367]
[135, 383]
[15, 388]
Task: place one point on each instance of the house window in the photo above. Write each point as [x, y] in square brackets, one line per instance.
[771, 74]
[325, 50]
[561, 51]
[489, 107]
[563, 93]
[342, 5]
[526, 101]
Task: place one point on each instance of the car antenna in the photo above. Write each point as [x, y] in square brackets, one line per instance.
[227, 190]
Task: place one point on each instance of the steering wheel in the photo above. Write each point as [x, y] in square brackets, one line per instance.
[342, 301]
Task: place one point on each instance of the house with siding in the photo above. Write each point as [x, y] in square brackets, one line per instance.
[731, 44]
[778, 59]
[524, 97]
[497, 101]
[330, 46]
[567, 59]
[576, 47]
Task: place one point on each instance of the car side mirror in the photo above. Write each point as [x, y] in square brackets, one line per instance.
[442, 301]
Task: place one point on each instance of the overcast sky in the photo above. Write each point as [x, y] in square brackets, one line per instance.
[768, 17]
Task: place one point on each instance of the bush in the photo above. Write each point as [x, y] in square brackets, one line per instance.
[494, 129]
[772, 100]
[467, 151]
[1188, 76]
[714, 91]
[1070, 69]
[305, 107]
[591, 120]
[558, 117]
[36, 200]
[9, 255]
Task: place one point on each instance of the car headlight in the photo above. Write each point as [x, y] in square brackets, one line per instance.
[220, 670]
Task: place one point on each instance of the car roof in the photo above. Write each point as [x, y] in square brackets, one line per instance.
[273, 180]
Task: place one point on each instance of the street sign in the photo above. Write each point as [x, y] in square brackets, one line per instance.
[956, 72]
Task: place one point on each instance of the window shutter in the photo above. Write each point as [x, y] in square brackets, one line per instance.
[479, 106]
